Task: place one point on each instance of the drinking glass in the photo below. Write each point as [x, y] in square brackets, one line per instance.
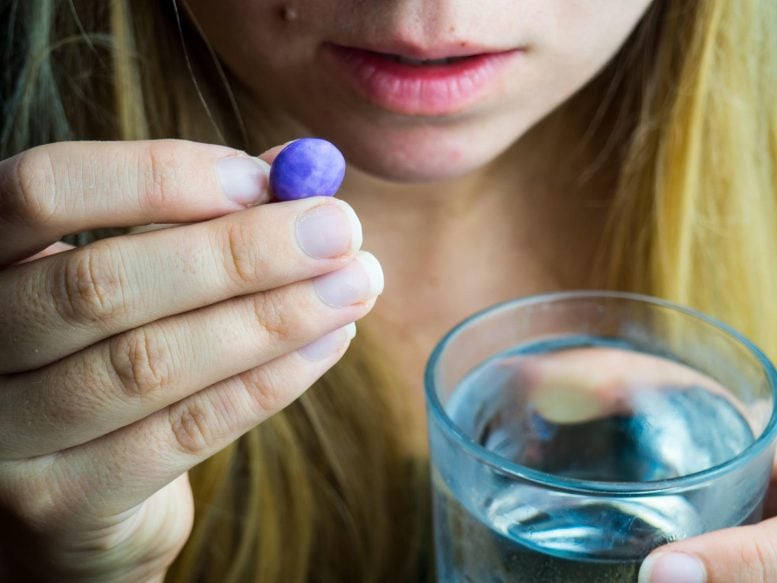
[572, 433]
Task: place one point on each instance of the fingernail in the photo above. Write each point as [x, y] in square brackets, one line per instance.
[672, 568]
[358, 281]
[328, 344]
[244, 179]
[329, 230]
[565, 403]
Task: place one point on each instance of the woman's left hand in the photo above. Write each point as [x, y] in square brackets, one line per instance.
[744, 554]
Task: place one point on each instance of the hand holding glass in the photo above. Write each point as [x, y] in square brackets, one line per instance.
[573, 433]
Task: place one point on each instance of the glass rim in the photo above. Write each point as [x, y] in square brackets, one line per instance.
[597, 487]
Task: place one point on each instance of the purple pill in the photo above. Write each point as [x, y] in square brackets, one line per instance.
[307, 167]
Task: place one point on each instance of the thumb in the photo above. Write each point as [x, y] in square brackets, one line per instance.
[741, 554]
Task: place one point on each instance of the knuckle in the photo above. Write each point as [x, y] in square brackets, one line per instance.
[266, 391]
[141, 360]
[34, 500]
[190, 428]
[32, 195]
[89, 287]
[274, 318]
[761, 558]
[239, 260]
[161, 171]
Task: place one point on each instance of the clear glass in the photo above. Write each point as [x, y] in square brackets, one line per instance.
[572, 433]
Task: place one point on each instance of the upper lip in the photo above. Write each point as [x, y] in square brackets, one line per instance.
[419, 52]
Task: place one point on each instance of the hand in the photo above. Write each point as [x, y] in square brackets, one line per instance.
[126, 362]
[743, 554]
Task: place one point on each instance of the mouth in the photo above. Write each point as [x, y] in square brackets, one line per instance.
[422, 62]
[433, 84]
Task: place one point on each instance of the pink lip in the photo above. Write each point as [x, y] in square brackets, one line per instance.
[426, 90]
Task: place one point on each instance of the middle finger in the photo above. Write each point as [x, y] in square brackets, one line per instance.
[63, 303]
[130, 376]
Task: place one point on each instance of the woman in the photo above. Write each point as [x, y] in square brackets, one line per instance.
[559, 145]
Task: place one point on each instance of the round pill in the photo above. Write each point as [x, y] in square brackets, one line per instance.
[307, 167]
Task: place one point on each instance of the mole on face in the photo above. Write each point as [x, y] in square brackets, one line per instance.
[307, 167]
[288, 13]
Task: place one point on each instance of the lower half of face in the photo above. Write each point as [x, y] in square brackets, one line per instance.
[416, 90]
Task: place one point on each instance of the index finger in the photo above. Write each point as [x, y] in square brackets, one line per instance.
[582, 384]
[53, 190]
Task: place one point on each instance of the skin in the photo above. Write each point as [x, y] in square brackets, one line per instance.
[488, 182]
[447, 179]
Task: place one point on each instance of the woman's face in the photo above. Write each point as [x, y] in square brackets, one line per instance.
[368, 74]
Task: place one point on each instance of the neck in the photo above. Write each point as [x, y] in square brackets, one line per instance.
[529, 221]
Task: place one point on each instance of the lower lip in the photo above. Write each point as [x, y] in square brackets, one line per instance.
[426, 90]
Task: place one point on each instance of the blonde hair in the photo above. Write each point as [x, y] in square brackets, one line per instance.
[323, 489]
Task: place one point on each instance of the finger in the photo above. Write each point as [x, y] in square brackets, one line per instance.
[110, 475]
[583, 384]
[267, 156]
[49, 191]
[132, 375]
[58, 305]
[734, 555]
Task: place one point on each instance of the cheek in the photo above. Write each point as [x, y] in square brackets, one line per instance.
[575, 41]
[252, 38]
[585, 34]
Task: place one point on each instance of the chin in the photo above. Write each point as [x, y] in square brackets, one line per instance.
[423, 153]
[414, 163]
